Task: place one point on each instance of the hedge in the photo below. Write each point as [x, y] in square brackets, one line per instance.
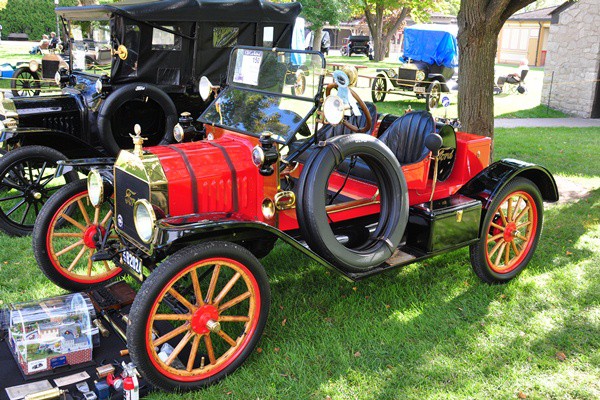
[33, 17]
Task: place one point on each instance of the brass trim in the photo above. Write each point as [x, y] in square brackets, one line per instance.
[146, 204]
[285, 200]
[459, 216]
[268, 208]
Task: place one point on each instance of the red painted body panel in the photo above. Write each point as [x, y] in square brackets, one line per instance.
[213, 191]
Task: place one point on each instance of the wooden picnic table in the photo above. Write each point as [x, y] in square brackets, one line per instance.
[336, 66]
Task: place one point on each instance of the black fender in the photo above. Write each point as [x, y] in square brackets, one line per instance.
[103, 164]
[71, 146]
[488, 183]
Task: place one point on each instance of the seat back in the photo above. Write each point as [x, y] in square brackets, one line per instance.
[406, 136]
[328, 131]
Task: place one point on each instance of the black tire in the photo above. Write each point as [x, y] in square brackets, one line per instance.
[25, 82]
[63, 270]
[492, 238]
[170, 275]
[26, 183]
[434, 93]
[379, 88]
[312, 216]
[130, 94]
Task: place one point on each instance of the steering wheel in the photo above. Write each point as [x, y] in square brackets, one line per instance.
[361, 104]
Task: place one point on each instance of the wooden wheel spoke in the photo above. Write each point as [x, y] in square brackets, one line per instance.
[179, 347]
[516, 210]
[496, 247]
[96, 215]
[509, 208]
[213, 284]
[181, 299]
[234, 301]
[84, 212]
[72, 221]
[234, 318]
[68, 234]
[522, 213]
[506, 255]
[172, 317]
[499, 255]
[69, 248]
[106, 218]
[524, 224]
[196, 285]
[168, 336]
[495, 237]
[209, 349]
[192, 357]
[106, 266]
[89, 267]
[77, 258]
[227, 338]
[495, 225]
[227, 288]
[523, 238]
[502, 216]
[514, 247]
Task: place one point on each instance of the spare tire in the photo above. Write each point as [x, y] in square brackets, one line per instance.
[311, 206]
[130, 93]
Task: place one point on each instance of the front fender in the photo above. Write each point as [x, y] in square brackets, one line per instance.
[489, 182]
[69, 145]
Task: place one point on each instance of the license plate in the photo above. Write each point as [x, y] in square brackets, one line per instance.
[419, 89]
[132, 261]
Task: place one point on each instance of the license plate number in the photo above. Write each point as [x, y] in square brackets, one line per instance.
[132, 261]
[419, 89]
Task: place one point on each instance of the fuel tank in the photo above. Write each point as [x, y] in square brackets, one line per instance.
[212, 176]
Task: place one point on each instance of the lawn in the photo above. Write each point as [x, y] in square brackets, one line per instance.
[430, 330]
[505, 105]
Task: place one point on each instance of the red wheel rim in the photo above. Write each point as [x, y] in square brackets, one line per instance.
[71, 245]
[232, 287]
[511, 232]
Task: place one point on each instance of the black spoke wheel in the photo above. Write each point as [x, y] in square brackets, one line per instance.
[25, 82]
[199, 316]
[379, 89]
[434, 93]
[26, 182]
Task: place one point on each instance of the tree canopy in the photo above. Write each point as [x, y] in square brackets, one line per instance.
[33, 17]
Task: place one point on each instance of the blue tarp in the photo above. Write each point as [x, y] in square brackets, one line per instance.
[433, 44]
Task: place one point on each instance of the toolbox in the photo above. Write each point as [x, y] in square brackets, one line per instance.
[445, 224]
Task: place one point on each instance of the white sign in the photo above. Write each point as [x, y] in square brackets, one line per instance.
[248, 69]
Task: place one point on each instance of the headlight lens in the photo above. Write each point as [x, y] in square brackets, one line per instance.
[33, 65]
[98, 86]
[95, 186]
[145, 219]
[333, 108]
[178, 132]
[204, 87]
[258, 156]
[420, 75]
[57, 77]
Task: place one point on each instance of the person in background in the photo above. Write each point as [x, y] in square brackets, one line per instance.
[53, 41]
[519, 75]
[43, 45]
[325, 42]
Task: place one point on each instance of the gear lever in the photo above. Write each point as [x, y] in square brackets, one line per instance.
[433, 142]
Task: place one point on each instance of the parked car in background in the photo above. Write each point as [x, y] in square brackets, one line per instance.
[357, 44]
[159, 50]
[428, 69]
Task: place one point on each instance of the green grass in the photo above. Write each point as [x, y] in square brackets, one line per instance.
[506, 105]
[431, 330]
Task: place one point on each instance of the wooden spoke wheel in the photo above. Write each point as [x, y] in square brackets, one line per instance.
[68, 233]
[434, 93]
[201, 312]
[379, 89]
[511, 231]
[25, 82]
[26, 182]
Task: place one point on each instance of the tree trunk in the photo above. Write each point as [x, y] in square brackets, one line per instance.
[317, 36]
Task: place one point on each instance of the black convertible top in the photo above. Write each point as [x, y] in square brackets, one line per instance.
[186, 10]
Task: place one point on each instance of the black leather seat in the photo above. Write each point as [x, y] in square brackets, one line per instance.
[329, 131]
[406, 136]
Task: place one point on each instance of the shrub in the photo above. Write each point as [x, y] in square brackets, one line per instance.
[33, 17]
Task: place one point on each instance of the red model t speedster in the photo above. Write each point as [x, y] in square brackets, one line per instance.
[280, 156]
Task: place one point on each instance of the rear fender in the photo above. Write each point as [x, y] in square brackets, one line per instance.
[486, 185]
[69, 145]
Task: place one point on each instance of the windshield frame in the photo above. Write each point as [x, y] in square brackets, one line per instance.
[316, 100]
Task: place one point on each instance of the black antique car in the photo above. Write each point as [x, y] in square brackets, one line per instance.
[160, 49]
[431, 56]
[358, 44]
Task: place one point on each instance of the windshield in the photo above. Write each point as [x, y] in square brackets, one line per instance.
[268, 90]
[91, 49]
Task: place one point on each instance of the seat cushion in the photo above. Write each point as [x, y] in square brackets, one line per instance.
[406, 136]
